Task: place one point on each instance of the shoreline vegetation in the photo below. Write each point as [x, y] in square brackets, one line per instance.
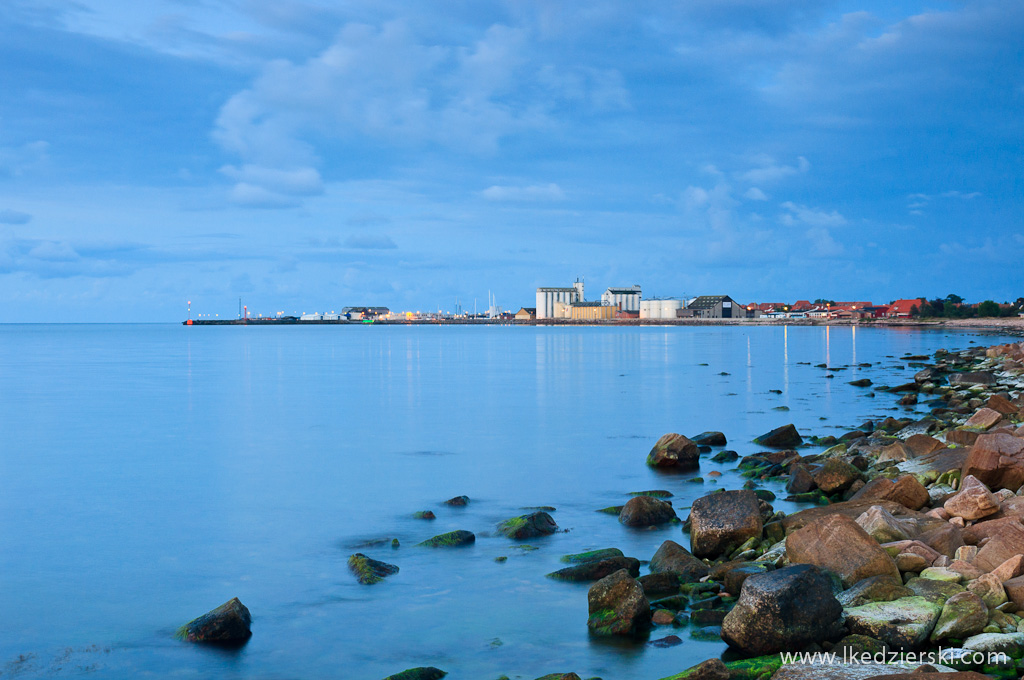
[1011, 325]
[910, 546]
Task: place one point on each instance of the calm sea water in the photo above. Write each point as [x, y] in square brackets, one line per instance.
[151, 472]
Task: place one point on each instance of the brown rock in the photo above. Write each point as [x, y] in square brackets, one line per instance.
[1010, 507]
[906, 491]
[674, 558]
[800, 480]
[1001, 404]
[838, 543]
[836, 476]
[997, 460]
[968, 571]
[618, 606]
[883, 527]
[712, 669]
[982, 531]
[1015, 591]
[644, 511]
[961, 437]
[673, 451]
[973, 501]
[663, 617]
[915, 547]
[722, 520]
[944, 539]
[1011, 568]
[922, 444]
[989, 589]
[897, 452]
[1001, 547]
[911, 562]
[984, 419]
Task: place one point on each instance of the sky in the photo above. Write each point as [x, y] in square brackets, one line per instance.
[311, 155]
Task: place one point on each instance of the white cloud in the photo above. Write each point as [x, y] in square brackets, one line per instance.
[263, 187]
[755, 194]
[768, 171]
[536, 192]
[801, 214]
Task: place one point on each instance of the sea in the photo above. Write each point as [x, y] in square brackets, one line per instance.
[151, 472]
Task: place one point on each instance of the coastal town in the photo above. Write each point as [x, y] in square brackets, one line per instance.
[627, 305]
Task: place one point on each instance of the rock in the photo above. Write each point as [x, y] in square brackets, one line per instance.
[863, 382]
[425, 514]
[944, 539]
[227, 624]
[910, 562]
[370, 571]
[967, 571]
[922, 444]
[712, 669]
[665, 583]
[897, 452]
[710, 439]
[598, 569]
[972, 378]
[665, 642]
[528, 526]
[936, 591]
[1002, 405]
[990, 589]
[980, 533]
[941, 574]
[963, 615]
[884, 588]
[617, 606]
[838, 543]
[785, 437]
[836, 476]
[916, 675]
[962, 437]
[883, 527]
[856, 645]
[902, 624]
[450, 539]
[734, 578]
[1011, 568]
[674, 558]
[905, 490]
[645, 511]
[458, 501]
[1011, 644]
[782, 610]
[673, 451]
[997, 460]
[723, 520]
[973, 501]
[591, 555]
[1014, 589]
[800, 480]
[984, 419]
[420, 673]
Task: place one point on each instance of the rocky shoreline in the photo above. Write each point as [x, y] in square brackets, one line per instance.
[914, 544]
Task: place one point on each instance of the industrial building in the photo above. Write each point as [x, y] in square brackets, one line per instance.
[590, 311]
[660, 308]
[623, 299]
[526, 314]
[548, 300]
[716, 307]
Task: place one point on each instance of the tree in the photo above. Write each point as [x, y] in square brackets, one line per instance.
[914, 311]
[988, 308]
[954, 298]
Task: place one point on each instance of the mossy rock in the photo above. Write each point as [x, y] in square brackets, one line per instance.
[421, 673]
[591, 556]
[369, 571]
[612, 510]
[228, 624]
[528, 526]
[450, 539]
[654, 493]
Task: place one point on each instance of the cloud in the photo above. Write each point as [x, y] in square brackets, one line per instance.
[755, 194]
[916, 203]
[14, 217]
[370, 242]
[263, 187]
[50, 259]
[811, 216]
[769, 172]
[536, 192]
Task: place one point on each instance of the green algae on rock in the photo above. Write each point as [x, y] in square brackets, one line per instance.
[369, 571]
[591, 555]
[528, 526]
[450, 539]
[227, 624]
[420, 673]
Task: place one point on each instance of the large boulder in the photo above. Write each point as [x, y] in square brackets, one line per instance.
[369, 571]
[1015, 591]
[997, 460]
[906, 490]
[984, 419]
[963, 615]
[973, 501]
[785, 437]
[883, 527]
[645, 511]
[782, 610]
[533, 525]
[838, 543]
[674, 558]
[902, 624]
[723, 520]
[922, 444]
[673, 451]
[618, 606]
[836, 476]
[227, 624]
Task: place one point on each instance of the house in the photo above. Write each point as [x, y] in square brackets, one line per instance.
[526, 314]
[623, 299]
[900, 309]
[590, 311]
[802, 306]
[716, 307]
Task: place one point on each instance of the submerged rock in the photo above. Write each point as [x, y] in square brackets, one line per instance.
[227, 624]
[528, 526]
[782, 610]
[643, 511]
[450, 539]
[421, 673]
[591, 555]
[597, 569]
[458, 501]
[784, 437]
[618, 606]
[370, 571]
[673, 451]
[710, 439]
[724, 520]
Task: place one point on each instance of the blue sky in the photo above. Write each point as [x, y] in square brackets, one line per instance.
[306, 156]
